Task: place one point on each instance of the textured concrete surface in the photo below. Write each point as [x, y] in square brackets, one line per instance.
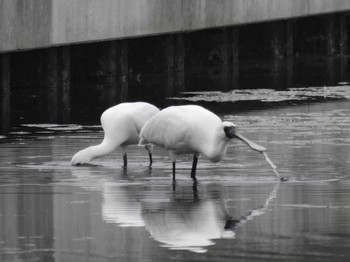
[45, 23]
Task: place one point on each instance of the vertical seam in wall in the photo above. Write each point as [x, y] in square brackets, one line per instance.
[51, 21]
[51, 38]
[182, 16]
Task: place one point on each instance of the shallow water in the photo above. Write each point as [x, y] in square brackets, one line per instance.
[50, 211]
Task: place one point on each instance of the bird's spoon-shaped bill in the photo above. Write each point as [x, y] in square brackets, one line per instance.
[262, 150]
[251, 144]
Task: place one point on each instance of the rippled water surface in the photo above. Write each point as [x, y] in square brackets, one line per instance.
[50, 211]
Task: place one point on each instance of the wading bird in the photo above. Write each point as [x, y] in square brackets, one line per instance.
[121, 125]
[191, 129]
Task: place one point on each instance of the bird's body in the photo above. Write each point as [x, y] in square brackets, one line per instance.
[186, 130]
[121, 125]
[193, 130]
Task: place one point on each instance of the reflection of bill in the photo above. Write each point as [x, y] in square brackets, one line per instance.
[179, 222]
[262, 209]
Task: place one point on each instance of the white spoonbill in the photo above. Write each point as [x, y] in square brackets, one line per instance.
[191, 129]
[121, 124]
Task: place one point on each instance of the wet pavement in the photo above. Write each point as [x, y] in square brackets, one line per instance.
[50, 211]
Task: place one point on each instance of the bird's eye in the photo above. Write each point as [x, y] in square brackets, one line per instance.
[230, 131]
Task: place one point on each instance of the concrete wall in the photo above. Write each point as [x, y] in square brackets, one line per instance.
[89, 20]
[44, 23]
[25, 24]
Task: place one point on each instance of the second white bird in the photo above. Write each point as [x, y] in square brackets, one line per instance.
[193, 130]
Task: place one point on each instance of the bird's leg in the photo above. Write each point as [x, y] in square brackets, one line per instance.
[150, 160]
[173, 171]
[125, 159]
[194, 167]
[149, 149]
[172, 157]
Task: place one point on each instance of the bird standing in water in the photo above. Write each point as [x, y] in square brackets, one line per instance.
[191, 129]
[121, 125]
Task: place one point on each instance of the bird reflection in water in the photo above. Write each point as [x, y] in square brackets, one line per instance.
[121, 205]
[181, 219]
[187, 223]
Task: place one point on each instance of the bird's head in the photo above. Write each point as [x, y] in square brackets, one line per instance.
[82, 157]
[231, 132]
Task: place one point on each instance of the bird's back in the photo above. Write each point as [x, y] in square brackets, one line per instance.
[181, 128]
[136, 113]
[126, 120]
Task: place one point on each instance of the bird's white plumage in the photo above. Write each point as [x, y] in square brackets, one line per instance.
[121, 124]
[187, 129]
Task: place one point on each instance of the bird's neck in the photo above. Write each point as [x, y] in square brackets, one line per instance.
[98, 151]
[217, 150]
